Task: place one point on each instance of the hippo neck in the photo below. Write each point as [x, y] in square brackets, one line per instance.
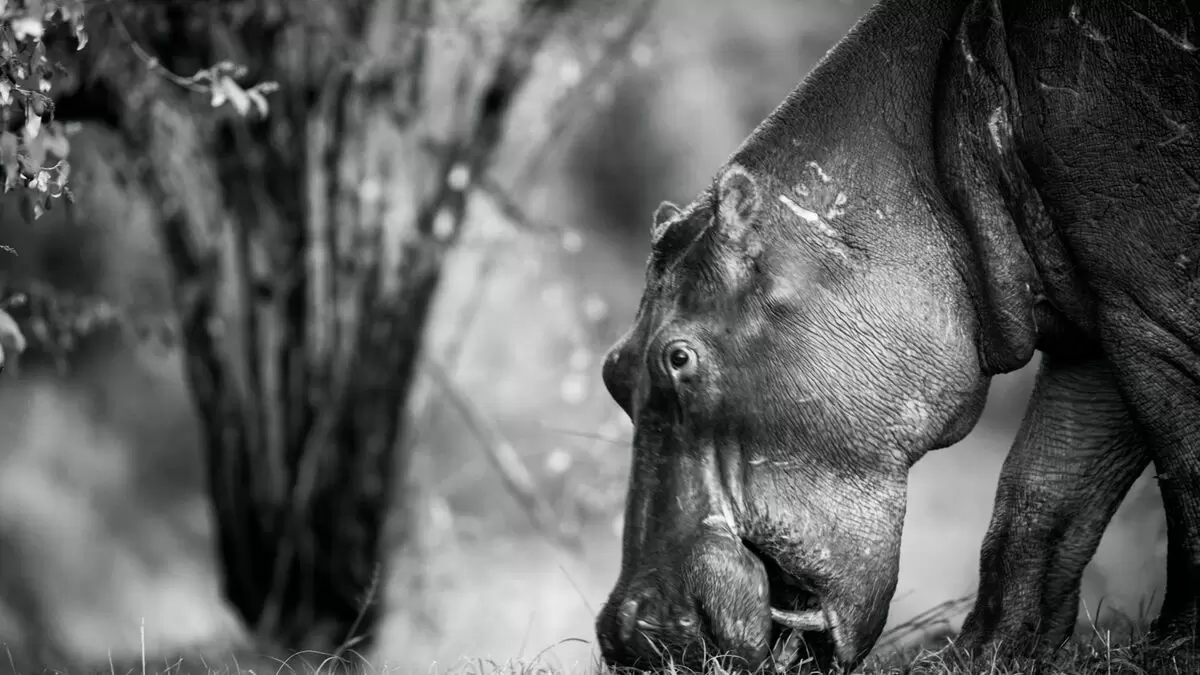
[863, 95]
[922, 137]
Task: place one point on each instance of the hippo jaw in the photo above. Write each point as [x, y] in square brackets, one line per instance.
[830, 580]
[804, 628]
[823, 606]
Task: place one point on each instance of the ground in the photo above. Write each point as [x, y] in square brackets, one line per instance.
[1119, 648]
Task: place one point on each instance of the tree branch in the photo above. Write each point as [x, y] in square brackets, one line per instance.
[507, 462]
[474, 147]
[613, 54]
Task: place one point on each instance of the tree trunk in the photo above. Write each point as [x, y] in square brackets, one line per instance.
[305, 250]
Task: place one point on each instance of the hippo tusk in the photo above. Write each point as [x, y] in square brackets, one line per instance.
[808, 620]
[787, 651]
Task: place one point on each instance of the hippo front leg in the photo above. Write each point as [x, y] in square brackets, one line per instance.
[1074, 459]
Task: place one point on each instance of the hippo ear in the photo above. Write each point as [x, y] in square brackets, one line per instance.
[665, 213]
[738, 200]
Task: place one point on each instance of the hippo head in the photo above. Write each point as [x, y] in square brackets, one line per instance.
[796, 349]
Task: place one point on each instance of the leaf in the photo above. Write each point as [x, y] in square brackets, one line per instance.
[6, 87]
[219, 97]
[55, 141]
[15, 300]
[8, 46]
[259, 101]
[233, 93]
[8, 160]
[226, 67]
[33, 157]
[37, 57]
[27, 26]
[58, 180]
[33, 122]
[40, 103]
[74, 16]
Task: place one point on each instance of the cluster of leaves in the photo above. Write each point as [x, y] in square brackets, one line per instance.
[221, 82]
[33, 146]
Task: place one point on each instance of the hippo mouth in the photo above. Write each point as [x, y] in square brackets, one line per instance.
[801, 639]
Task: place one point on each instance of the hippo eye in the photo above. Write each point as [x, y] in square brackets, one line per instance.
[680, 359]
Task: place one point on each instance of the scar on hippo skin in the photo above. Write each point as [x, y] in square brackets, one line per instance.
[819, 192]
[664, 215]
[1088, 29]
[1180, 41]
[817, 201]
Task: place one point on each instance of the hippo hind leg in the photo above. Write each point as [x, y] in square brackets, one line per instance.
[1153, 342]
[1074, 459]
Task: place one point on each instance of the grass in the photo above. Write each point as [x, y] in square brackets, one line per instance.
[1081, 657]
[922, 646]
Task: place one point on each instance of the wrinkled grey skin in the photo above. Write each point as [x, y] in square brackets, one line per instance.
[956, 185]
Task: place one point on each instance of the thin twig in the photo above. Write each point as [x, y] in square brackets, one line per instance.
[422, 414]
[512, 210]
[937, 615]
[506, 461]
[508, 206]
[151, 62]
[569, 112]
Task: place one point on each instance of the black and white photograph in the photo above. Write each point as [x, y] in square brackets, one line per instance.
[600, 337]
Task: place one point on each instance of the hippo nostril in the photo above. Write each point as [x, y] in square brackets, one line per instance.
[628, 618]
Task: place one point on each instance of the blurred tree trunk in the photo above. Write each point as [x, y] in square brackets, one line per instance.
[305, 250]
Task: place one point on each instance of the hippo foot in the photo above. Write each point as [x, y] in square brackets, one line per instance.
[1019, 654]
[1176, 634]
[1005, 646]
[1171, 645]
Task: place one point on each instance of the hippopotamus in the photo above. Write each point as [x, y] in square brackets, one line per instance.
[957, 186]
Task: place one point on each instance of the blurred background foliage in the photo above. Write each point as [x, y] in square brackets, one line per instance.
[105, 517]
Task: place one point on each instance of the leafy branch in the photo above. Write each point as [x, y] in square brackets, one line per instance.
[219, 81]
[33, 145]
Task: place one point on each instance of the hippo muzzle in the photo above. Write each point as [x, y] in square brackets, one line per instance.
[716, 602]
[716, 598]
